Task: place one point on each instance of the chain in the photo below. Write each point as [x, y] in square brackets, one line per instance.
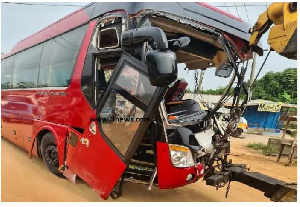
[196, 81]
[227, 190]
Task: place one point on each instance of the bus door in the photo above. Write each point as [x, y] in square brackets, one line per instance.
[101, 153]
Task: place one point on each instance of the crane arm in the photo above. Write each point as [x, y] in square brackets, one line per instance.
[283, 34]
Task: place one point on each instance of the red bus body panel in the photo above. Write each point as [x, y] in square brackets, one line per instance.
[26, 113]
[59, 132]
[170, 176]
[31, 111]
[97, 164]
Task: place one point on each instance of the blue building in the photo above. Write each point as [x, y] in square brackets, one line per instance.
[265, 118]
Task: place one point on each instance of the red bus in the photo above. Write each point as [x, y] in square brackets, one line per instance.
[96, 94]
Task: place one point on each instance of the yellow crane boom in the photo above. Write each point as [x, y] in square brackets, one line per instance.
[283, 34]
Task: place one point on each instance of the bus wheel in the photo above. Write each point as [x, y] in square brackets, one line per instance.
[50, 153]
[238, 132]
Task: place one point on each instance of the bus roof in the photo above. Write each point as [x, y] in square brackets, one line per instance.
[200, 12]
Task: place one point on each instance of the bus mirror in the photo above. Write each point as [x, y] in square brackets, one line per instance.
[177, 44]
[224, 70]
[162, 67]
[144, 34]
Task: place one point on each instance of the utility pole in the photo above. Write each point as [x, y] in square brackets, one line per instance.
[252, 74]
[200, 80]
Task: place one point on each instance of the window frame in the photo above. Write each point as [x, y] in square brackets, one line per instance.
[38, 69]
[25, 53]
[141, 68]
[11, 72]
[75, 57]
[99, 38]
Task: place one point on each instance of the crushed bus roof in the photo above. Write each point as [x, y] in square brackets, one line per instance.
[199, 12]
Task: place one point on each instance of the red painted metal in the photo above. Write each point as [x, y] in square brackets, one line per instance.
[97, 164]
[170, 176]
[220, 11]
[59, 132]
[239, 45]
[30, 111]
[80, 110]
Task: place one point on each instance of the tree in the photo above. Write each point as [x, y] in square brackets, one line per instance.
[277, 86]
[273, 86]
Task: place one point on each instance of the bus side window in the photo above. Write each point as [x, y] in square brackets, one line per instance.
[58, 58]
[98, 67]
[87, 80]
[25, 70]
[103, 77]
[6, 72]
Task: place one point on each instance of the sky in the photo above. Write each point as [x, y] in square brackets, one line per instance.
[21, 21]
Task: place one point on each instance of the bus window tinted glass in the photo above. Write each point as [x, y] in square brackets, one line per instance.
[26, 66]
[6, 72]
[136, 84]
[58, 58]
[121, 118]
[120, 121]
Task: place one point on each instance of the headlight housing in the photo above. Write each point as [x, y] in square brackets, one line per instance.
[181, 156]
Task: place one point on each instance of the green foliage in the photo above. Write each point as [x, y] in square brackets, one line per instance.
[188, 90]
[294, 133]
[274, 86]
[277, 86]
[267, 150]
[218, 91]
[256, 146]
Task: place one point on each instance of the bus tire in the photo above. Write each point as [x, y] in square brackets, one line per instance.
[238, 132]
[50, 153]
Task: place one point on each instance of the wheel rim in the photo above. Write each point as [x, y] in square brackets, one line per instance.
[51, 155]
[238, 132]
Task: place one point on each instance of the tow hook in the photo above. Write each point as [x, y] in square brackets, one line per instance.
[273, 188]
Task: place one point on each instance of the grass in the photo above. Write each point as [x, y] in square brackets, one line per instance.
[294, 133]
[265, 149]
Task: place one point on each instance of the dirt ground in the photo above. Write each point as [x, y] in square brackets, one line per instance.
[24, 179]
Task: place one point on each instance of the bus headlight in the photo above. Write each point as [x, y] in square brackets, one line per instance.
[181, 156]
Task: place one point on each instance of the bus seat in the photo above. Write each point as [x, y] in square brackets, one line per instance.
[176, 92]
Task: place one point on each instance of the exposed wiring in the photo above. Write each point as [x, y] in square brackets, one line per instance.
[247, 13]
[237, 10]
[226, 7]
[253, 84]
